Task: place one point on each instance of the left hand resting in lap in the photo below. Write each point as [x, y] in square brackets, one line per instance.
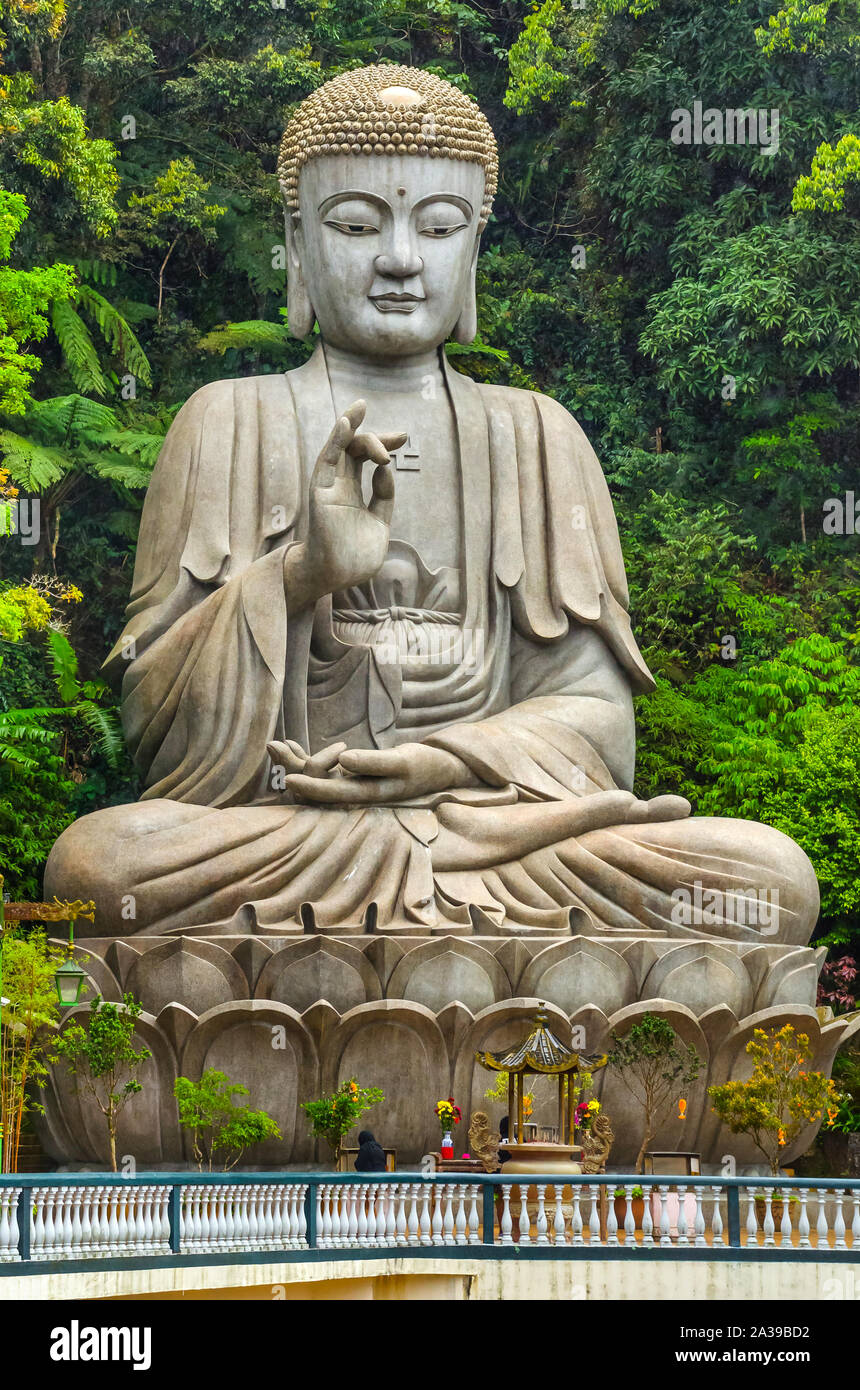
[371, 776]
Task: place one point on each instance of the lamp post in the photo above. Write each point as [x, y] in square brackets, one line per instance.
[69, 978]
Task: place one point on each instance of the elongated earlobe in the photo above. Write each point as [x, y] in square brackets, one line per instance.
[300, 311]
[466, 326]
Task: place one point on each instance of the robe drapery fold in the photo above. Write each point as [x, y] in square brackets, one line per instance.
[207, 626]
[522, 665]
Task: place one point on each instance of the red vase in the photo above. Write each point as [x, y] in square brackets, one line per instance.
[447, 1147]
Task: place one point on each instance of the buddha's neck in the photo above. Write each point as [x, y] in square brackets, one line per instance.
[350, 369]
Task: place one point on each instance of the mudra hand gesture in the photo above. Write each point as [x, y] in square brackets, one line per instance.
[346, 541]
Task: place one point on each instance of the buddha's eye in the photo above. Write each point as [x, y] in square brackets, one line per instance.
[352, 228]
[440, 229]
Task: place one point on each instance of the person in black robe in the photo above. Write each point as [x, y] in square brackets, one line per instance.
[371, 1156]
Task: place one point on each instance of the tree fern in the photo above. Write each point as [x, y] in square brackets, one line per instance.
[255, 335]
[73, 415]
[32, 466]
[78, 349]
[103, 727]
[116, 332]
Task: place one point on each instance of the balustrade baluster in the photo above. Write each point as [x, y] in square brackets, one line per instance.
[576, 1236]
[752, 1223]
[474, 1218]
[541, 1237]
[525, 1219]
[426, 1193]
[505, 1224]
[822, 1230]
[839, 1220]
[683, 1238]
[301, 1193]
[389, 1199]
[400, 1224]
[323, 1216]
[665, 1224]
[785, 1225]
[9, 1224]
[437, 1214]
[64, 1224]
[77, 1231]
[558, 1231]
[413, 1225]
[717, 1216]
[363, 1214]
[855, 1224]
[460, 1215]
[37, 1246]
[50, 1250]
[804, 1243]
[253, 1216]
[769, 1225]
[699, 1219]
[629, 1218]
[594, 1235]
[611, 1221]
[647, 1219]
[448, 1218]
[275, 1216]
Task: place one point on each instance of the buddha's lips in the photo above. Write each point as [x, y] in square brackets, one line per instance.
[394, 303]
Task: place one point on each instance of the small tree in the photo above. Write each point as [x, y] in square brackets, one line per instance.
[217, 1125]
[29, 1015]
[780, 1098]
[653, 1065]
[103, 1058]
[333, 1116]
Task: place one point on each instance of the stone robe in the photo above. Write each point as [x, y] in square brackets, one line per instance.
[509, 662]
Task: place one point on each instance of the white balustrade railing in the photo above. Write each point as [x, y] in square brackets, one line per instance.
[79, 1220]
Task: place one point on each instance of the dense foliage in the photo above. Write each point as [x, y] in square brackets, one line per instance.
[693, 304]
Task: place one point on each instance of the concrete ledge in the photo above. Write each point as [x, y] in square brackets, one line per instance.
[405, 1277]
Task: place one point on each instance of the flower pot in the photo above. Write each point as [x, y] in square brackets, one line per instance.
[447, 1146]
[777, 1207]
[638, 1205]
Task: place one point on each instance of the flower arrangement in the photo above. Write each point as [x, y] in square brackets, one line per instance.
[585, 1113]
[448, 1114]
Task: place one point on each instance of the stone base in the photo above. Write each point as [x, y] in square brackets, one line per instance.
[292, 1017]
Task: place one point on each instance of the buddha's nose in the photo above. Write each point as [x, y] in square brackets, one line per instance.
[400, 262]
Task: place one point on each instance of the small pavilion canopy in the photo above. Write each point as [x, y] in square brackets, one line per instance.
[541, 1054]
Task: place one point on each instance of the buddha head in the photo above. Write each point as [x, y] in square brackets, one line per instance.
[388, 174]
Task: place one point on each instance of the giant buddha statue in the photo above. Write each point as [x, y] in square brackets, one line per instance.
[378, 668]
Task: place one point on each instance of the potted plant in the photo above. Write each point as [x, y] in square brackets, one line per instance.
[653, 1065]
[333, 1116]
[780, 1098]
[637, 1202]
[777, 1102]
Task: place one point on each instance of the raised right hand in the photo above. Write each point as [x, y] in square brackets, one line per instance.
[346, 541]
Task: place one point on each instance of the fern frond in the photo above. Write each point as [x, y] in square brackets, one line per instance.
[116, 332]
[115, 469]
[255, 335]
[144, 446]
[103, 726]
[73, 414]
[101, 272]
[78, 349]
[64, 663]
[32, 466]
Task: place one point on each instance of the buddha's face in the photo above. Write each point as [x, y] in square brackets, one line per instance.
[386, 247]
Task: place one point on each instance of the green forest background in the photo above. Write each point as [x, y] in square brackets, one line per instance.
[695, 307]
